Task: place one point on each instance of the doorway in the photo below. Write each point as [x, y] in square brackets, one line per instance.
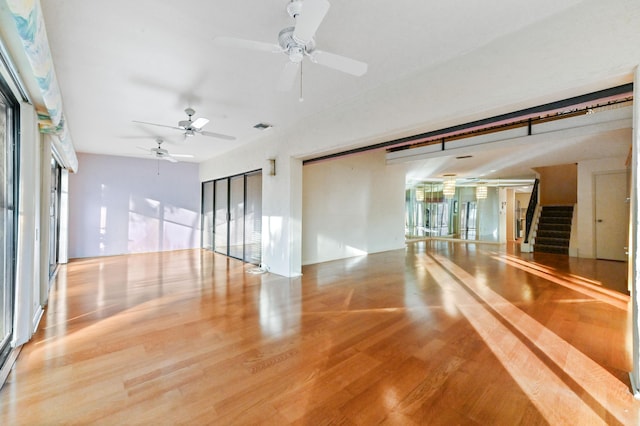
[611, 215]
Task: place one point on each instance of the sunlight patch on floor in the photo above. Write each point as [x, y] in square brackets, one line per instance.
[605, 388]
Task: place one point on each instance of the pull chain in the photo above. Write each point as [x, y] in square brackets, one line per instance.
[301, 98]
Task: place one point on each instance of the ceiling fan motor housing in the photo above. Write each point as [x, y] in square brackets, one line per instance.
[293, 48]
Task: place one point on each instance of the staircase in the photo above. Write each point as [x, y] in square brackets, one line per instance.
[554, 230]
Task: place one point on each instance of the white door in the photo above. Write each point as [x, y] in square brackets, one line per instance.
[612, 215]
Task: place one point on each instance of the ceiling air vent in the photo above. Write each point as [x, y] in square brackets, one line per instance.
[262, 126]
[463, 157]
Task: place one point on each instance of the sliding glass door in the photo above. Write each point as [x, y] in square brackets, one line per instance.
[234, 206]
[8, 185]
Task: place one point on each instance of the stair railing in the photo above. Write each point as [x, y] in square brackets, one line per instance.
[531, 210]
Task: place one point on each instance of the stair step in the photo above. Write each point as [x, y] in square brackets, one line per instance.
[557, 212]
[557, 208]
[559, 242]
[554, 226]
[551, 233]
[556, 216]
[547, 219]
[550, 249]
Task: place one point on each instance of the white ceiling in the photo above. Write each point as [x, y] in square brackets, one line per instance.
[148, 60]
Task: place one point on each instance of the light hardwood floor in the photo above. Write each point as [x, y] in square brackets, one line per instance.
[439, 333]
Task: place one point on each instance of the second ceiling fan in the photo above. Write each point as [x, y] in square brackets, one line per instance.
[298, 41]
[190, 127]
[162, 154]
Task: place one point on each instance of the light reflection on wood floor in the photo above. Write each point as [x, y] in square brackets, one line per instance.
[440, 333]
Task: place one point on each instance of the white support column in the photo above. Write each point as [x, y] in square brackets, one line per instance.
[45, 205]
[295, 218]
[634, 237]
[281, 218]
[27, 291]
[63, 239]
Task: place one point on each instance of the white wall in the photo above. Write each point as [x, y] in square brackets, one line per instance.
[352, 206]
[586, 202]
[122, 205]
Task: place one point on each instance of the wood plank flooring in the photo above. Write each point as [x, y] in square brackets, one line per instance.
[439, 333]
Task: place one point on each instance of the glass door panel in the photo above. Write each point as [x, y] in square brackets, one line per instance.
[5, 294]
[253, 219]
[8, 140]
[54, 217]
[236, 217]
[207, 215]
[220, 215]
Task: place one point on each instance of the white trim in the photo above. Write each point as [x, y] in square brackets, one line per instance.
[8, 365]
[19, 86]
[36, 320]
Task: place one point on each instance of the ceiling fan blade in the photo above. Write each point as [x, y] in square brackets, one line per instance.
[247, 44]
[218, 135]
[340, 63]
[144, 149]
[200, 123]
[169, 158]
[288, 76]
[310, 18]
[159, 125]
[182, 155]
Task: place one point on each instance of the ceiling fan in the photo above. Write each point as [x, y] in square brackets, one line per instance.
[162, 154]
[298, 41]
[191, 128]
